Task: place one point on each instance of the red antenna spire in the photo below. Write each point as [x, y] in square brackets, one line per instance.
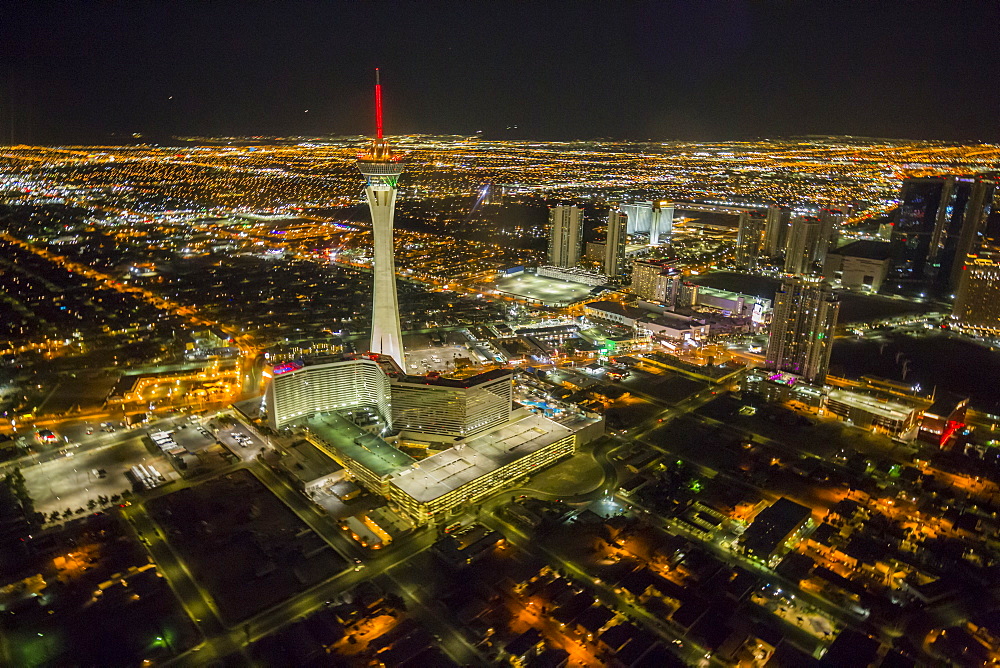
[378, 107]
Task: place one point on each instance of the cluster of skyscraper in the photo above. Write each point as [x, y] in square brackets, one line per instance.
[653, 219]
[946, 238]
[945, 235]
[803, 240]
[566, 239]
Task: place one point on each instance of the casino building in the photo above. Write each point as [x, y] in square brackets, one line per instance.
[358, 408]
[328, 383]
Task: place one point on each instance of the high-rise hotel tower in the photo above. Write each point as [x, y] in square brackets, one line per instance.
[805, 316]
[381, 168]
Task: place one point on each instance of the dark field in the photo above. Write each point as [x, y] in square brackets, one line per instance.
[242, 544]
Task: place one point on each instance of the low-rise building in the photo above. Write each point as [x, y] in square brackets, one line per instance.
[653, 319]
[775, 529]
[450, 480]
[433, 489]
[779, 386]
[944, 418]
[573, 275]
[892, 418]
[725, 301]
[861, 265]
[307, 467]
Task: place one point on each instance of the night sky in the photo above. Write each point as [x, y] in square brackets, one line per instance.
[81, 71]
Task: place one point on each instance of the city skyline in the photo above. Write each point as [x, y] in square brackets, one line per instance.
[508, 398]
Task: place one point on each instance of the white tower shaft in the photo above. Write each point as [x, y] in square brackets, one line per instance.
[387, 337]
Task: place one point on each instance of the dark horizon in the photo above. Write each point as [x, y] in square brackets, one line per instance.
[96, 72]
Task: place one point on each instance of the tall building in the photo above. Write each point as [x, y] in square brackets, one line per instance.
[614, 245]
[803, 243]
[974, 231]
[381, 169]
[662, 222]
[938, 222]
[644, 276]
[776, 231]
[451, 406]
[327, 383]
[750, 239]
[653, 218]
[655, 281]
[801, 340]
[977, 306]
[565, 235]
[830, 221]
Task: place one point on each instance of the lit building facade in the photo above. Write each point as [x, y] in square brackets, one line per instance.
[332, 383]
[448, 482]
[803, 244]
[432, 490]
[655, 281]
[830, 221]
[750, 238]
[977, 305]
[860, 265]
[614, 245]
[802, 328]
[573, 275]
[939, 221]
[565, 235]
[450, 406]
[594, 251]
[653, 218]
[644, 276]
[892, 418]
[776, 231]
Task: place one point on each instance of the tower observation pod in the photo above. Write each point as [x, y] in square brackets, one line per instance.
[381, 169]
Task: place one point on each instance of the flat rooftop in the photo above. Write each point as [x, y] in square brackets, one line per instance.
[388, 365]
[448, 470]
[618, 308]
[869, 250]
[885, 409]
[367, 449]
[467, 382]
[727, 294]
[540, 288]
[305, 461]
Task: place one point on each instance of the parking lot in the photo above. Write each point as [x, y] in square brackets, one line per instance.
[70, 482]
[240, 440]
[191, 435]
[424, 360]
